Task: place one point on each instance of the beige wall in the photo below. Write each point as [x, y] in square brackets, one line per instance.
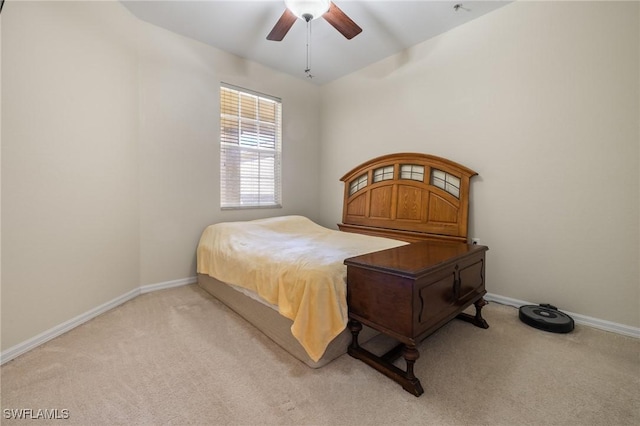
[109, 156]
[179, 173]
[542, 100]
[69, 163]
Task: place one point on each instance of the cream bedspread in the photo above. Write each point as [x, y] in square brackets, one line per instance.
[293, 263]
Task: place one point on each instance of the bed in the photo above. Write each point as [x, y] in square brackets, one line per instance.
[388, 202]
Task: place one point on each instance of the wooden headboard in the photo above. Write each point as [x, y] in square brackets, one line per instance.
[407, 196]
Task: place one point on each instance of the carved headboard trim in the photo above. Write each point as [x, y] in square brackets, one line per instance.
[408, 196]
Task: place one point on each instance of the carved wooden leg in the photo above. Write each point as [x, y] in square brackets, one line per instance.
[355, 327]
[407, 379]
[413, 384]
[479, 321]
[476, 320]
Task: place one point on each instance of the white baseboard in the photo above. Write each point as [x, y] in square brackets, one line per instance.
[56, 331]
[625, 330]
[167, 284]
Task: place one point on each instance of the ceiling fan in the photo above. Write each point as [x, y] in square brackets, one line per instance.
[313, 9]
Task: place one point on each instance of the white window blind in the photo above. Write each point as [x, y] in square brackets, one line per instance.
[250, 148]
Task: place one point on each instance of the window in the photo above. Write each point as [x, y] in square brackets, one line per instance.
[250, 148]
[358, 183]
[383, 173]
[446, 181]
[412, 172]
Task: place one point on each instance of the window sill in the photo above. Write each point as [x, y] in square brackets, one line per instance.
[264, 206]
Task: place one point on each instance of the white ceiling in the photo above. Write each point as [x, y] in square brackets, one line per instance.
[241, 26]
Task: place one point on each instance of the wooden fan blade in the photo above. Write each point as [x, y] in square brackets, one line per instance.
[282, 27]
[341, 22]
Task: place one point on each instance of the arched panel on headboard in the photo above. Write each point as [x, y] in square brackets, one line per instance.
[408, 196]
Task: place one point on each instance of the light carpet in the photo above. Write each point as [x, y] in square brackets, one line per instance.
[179, 356]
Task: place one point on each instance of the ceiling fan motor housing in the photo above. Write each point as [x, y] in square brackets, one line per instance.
[308, 9]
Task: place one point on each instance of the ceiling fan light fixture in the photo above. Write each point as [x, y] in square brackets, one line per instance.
[305, 8]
